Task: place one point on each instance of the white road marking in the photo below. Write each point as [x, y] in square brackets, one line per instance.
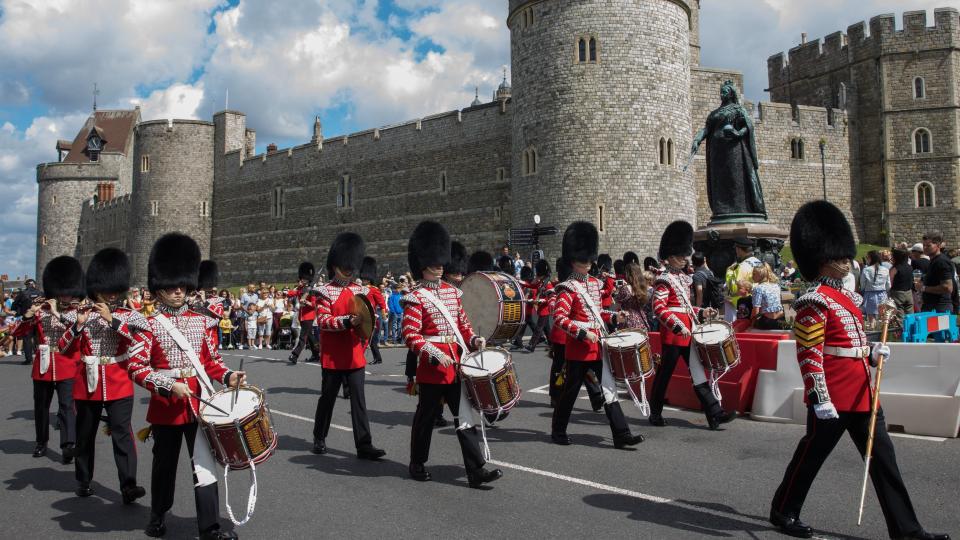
[920, 437]
[305, 419]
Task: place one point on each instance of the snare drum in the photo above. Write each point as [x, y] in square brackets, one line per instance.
[494, 303]
[491, 382]
[246, 434]
[629, 354]
[717, 345]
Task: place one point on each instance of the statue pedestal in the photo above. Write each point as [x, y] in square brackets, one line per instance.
[715, 241]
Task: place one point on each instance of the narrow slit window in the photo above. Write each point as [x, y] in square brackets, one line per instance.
[593, 49]
[582, 50]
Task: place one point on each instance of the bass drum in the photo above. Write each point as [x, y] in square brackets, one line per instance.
[494, 304]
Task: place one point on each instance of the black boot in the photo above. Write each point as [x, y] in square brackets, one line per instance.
[156, 528]
[440, 421]
[790, 525]
[656, 419]
[67, 453]
[711, 407]
[132, 493]
[419, 473]
[40, 450]
[924, 535]
[370, 452]
[319, 447]
[84, 490]
[218, 534]
[482, 476]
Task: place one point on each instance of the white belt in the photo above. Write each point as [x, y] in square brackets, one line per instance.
[847, 352]
[586, 325]
[184, 373]
[676, 309]
[448, 339]
[93, 363]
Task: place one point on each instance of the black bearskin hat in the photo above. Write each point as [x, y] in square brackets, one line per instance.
[630, 257]
[563, 269]
[429, 246]
[581, 242]
[526, 274]
[346, 253]
[108, 272]
[174, 262]
[619, 267]
[649, 263]
[209, 275]
[543, 268]
[480, 261]
[458, 259]
[63, 276]
[605, 262]
[368, 269]
[505, 264]
[820, 233]
[306, 271]
[677, 240]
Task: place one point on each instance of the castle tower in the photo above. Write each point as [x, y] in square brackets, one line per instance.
[596, 85]
[694, 32]
[172, 186]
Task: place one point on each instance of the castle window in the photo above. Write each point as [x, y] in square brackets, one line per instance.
[154, 208]
[529, 161]
[600, 218]
[921, 141]
[670, 151]
[43, 240]
[204, 209]
[919, 88]
[443, 182]
[527, 18]
[662, 153]
[345, 192]
[54, 199]
[501, 174]
[925, 195]
[593, 49]
[144, 164]
[498, 213]
[582, 50]
[278, 208]
[796, 149]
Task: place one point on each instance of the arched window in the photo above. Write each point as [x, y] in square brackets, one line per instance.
[662, 152]
[796, 148]
[582, 50]
[529, 161]
[921, 141]
[669, 151]
[926, 197]
[919, 88]
[443, 182]
[600, 218]
[593, 49]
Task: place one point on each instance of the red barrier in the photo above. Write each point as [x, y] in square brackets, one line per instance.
[758, 350]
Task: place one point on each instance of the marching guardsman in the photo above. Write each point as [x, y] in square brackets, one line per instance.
[436, 329]
[456, 269]
[210, 303]
[835, 360]
[579, 315]
[672, 306]
[341, 346]
[307, 314]
[481, 261]
[54, 371]
[529, 287]
[541, 291]
[177, 364]
[368, 278]
[558, 338]
[105, 338]
[604, 267]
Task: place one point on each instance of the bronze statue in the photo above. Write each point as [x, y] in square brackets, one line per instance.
[733, 185]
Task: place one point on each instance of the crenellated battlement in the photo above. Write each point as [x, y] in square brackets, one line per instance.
[122, 200]
[805, 116]
[838, 50]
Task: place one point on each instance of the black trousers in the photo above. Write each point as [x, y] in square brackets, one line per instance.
[306, 336]
[330, 385]
[556, 370]
[816, 445]
[538, 331]
[576, 374]
[430, 406]
[518, 339]
[668, 362]
[29, 342]
[163, 478]
[119, 414]
[67, 418]
[410, 366]
[375, 344]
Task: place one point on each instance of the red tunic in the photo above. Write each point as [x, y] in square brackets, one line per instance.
[100, 339]
[830, 317]
[557, 335]
[574, 317]
[48, 331]
[671, 304]
[161, 353]
[606, 293]
[340, 346]
[378, 302]
[308, 308]
[543, 293]
[421, 321]
[530, 293]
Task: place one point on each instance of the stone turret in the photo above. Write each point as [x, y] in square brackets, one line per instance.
[596, 86]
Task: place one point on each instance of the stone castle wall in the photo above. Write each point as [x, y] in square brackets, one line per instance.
[396, 173]
[102, 225]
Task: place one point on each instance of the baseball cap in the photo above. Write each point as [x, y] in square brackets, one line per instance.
[917, 247]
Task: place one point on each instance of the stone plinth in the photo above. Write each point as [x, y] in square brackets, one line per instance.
[716, 242]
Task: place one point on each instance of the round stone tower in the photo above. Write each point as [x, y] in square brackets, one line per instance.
[597, 84]
[172, 186]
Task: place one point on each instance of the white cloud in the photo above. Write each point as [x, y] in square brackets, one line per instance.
[175, 101]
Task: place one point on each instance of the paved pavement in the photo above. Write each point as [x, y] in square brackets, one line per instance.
[683, 482]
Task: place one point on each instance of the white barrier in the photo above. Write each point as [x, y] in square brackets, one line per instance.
[920, 389]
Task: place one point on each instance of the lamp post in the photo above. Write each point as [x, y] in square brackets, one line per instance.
[823, 165]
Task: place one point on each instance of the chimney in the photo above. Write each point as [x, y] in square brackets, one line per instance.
[271, 148]
[803, 38]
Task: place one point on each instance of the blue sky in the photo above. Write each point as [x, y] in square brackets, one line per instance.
[356, 63]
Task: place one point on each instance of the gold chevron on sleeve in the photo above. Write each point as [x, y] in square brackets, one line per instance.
[808, 336]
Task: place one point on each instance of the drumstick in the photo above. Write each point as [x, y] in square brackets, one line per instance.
[205, 402]
[236, 391]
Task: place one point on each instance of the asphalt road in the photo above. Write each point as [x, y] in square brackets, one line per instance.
[684, 481]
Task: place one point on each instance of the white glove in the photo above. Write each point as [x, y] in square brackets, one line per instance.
[826, 411]
[480, 343]
[879, 350]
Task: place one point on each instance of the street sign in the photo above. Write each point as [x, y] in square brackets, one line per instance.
[521, 237]
[545, 231]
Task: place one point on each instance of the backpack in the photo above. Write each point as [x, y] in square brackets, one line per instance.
[712, 291]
